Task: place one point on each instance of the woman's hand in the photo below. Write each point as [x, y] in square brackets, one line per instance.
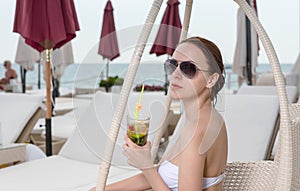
[137, 156]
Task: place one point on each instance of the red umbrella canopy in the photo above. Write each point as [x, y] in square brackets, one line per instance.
[46, 24]
[108, 46]
[169, 31]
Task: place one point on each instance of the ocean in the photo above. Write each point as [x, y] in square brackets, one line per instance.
[89, 75]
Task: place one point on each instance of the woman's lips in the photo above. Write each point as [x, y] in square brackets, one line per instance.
[175, 86]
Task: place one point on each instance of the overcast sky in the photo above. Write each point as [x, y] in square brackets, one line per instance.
[213, 19]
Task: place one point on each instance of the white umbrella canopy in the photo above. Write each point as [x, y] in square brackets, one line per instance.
[240, 54]
[26, 56]
[61, 58]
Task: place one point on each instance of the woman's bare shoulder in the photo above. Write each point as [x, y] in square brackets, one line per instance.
[212, 131]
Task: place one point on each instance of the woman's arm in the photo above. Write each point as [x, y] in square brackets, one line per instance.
[155, 180]
[191, 169]
[134, 183]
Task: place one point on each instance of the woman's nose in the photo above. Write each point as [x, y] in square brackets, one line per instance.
[177, 73]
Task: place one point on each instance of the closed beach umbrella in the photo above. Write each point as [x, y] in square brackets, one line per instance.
[26, 56]
[108, 45]
[246, 50]
[46, 25]
[61, 58]
[168, 33]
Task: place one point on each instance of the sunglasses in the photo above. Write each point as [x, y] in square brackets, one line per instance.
[187, 68]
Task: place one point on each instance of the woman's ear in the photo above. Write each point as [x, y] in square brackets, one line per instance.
[212, 80]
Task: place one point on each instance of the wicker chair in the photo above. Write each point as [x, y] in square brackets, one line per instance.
[281, 174]
[284, 172]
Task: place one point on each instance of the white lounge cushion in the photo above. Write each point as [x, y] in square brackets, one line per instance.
[33, 152]
[250, 121]
[269, 90]
[55, 173]
[15, 111]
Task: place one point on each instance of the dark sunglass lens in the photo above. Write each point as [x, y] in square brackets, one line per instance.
[188, 69]
[170, 66]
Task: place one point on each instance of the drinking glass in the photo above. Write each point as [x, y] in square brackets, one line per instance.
[138, 127]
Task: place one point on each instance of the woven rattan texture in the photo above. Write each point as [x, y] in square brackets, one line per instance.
[250, 176]
[295, 123]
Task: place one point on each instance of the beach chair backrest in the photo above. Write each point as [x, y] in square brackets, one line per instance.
[16, 110]
[250, 121]
[292, 91]
[90, 137]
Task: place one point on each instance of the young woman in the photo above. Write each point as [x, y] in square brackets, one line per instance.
[198, 158]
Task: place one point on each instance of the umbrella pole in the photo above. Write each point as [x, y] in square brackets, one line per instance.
[249, 55]
[39, 76]
[166, 80]
[107, 77]
[48, 104]
[23, 78]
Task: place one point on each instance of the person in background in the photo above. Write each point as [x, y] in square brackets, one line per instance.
[9, 74]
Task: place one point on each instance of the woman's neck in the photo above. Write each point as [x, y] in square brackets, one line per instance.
[193, 107]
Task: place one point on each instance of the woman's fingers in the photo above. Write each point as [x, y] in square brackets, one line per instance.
[129, 142]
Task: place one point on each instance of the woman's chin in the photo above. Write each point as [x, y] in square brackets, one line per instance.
[175, 95]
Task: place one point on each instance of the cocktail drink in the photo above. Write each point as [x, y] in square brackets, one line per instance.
[138, 129]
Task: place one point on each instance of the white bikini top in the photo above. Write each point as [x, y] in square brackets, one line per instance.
[169, 173]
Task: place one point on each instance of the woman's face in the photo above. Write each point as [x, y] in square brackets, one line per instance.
[7, 66]
[181, 86]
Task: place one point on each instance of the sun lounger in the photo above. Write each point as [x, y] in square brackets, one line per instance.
[250, 130]
[18, 113]
[76, 166]
[62, 125]
[292, 93]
